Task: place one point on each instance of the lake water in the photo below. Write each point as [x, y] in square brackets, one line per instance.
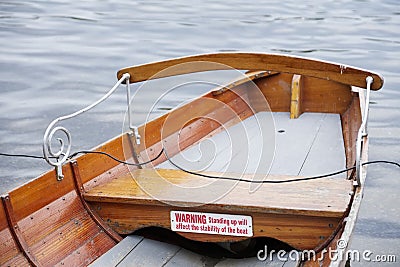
[59, 56]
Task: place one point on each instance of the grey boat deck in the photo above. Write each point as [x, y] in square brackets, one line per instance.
[310, 145]
[138, 251]
[307, 146]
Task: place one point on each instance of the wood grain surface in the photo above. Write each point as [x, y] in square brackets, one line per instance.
[254, 61]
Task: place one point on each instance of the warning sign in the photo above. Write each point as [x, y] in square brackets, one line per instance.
[211, 223]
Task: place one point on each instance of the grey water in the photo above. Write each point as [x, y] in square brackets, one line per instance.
[59, 56]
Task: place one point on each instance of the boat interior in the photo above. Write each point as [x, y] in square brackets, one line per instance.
[254, 159]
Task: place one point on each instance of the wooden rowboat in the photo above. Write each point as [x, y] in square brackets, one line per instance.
[271, 131]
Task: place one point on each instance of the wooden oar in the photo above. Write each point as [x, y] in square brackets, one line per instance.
[254, 61]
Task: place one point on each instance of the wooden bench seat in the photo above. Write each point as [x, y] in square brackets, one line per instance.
[323, 197]
[302, 214]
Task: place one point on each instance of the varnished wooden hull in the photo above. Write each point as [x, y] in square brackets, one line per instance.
[47, 222]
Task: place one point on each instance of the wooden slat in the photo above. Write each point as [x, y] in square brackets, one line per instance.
[190, 259]
[150, 253]
[18, 260]
[327, 153]
[254, 61]
[66, 240]
[92, 249]
[8, 248]
[296, 97]
[118, 253]
[294, 138]
[47, 220]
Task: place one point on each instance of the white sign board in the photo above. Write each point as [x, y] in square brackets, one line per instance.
[211, 223]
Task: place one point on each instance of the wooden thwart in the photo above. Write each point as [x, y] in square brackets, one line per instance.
[302, 214]
[322, 197]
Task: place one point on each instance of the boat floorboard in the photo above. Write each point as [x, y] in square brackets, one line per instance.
[139, 251]
[309, 145]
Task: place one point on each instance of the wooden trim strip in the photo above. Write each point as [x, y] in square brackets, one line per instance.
[16, 232]
[296, 97]
[254, 61]
[80, 190]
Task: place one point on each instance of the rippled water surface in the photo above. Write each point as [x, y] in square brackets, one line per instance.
[59, 56]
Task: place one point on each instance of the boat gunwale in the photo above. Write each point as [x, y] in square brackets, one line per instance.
[256, 61]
